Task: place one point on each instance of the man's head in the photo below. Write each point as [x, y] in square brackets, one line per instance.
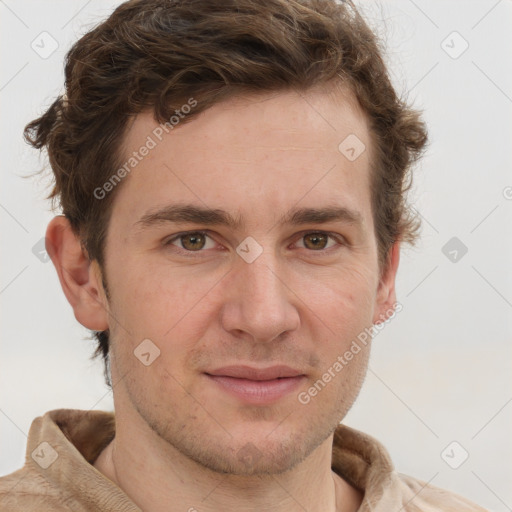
[270, 133]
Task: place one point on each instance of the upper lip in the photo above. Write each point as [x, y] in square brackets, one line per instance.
[248, 372]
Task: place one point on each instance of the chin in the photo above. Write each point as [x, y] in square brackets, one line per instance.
[254, 451]
[253, 460]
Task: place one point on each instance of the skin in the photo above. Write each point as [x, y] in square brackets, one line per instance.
[179, 439]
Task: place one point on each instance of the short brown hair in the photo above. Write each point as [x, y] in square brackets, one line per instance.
[157, 54]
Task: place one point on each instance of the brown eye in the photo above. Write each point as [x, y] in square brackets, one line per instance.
[316, 241]
[193, 241]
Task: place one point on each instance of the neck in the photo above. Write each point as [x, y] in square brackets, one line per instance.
[157, 477]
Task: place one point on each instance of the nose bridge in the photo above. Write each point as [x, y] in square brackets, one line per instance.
[262, 275]
[261, 301]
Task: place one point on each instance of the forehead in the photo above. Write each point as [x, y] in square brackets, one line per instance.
[261, 153]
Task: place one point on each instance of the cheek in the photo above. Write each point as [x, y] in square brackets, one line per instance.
[159, 300]
[343, 309]
[343, 296]
[172, 308]
[340, 307]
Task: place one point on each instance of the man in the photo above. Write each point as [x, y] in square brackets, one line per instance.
[231, 176]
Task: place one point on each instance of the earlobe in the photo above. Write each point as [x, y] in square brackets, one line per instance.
[386, 293]
[78, 276]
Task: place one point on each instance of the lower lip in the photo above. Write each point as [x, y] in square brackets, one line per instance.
[258, 391]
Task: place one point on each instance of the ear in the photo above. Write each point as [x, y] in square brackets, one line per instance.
[386, 295]
[79, 277]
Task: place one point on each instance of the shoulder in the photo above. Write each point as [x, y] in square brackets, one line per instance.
[76, 438]
[421, 496]
[27, 491]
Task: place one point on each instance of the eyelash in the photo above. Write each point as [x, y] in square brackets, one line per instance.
[169, 242]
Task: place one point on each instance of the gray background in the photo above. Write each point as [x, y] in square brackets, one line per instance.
[440, 371]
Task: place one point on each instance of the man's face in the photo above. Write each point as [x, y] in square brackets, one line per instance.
[300, 303]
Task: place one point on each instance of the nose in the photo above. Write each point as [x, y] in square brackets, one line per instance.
[260, 302]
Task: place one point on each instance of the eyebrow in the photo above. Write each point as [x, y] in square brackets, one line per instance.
[189, 213]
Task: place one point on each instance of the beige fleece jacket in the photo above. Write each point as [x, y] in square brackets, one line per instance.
[58, 474]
